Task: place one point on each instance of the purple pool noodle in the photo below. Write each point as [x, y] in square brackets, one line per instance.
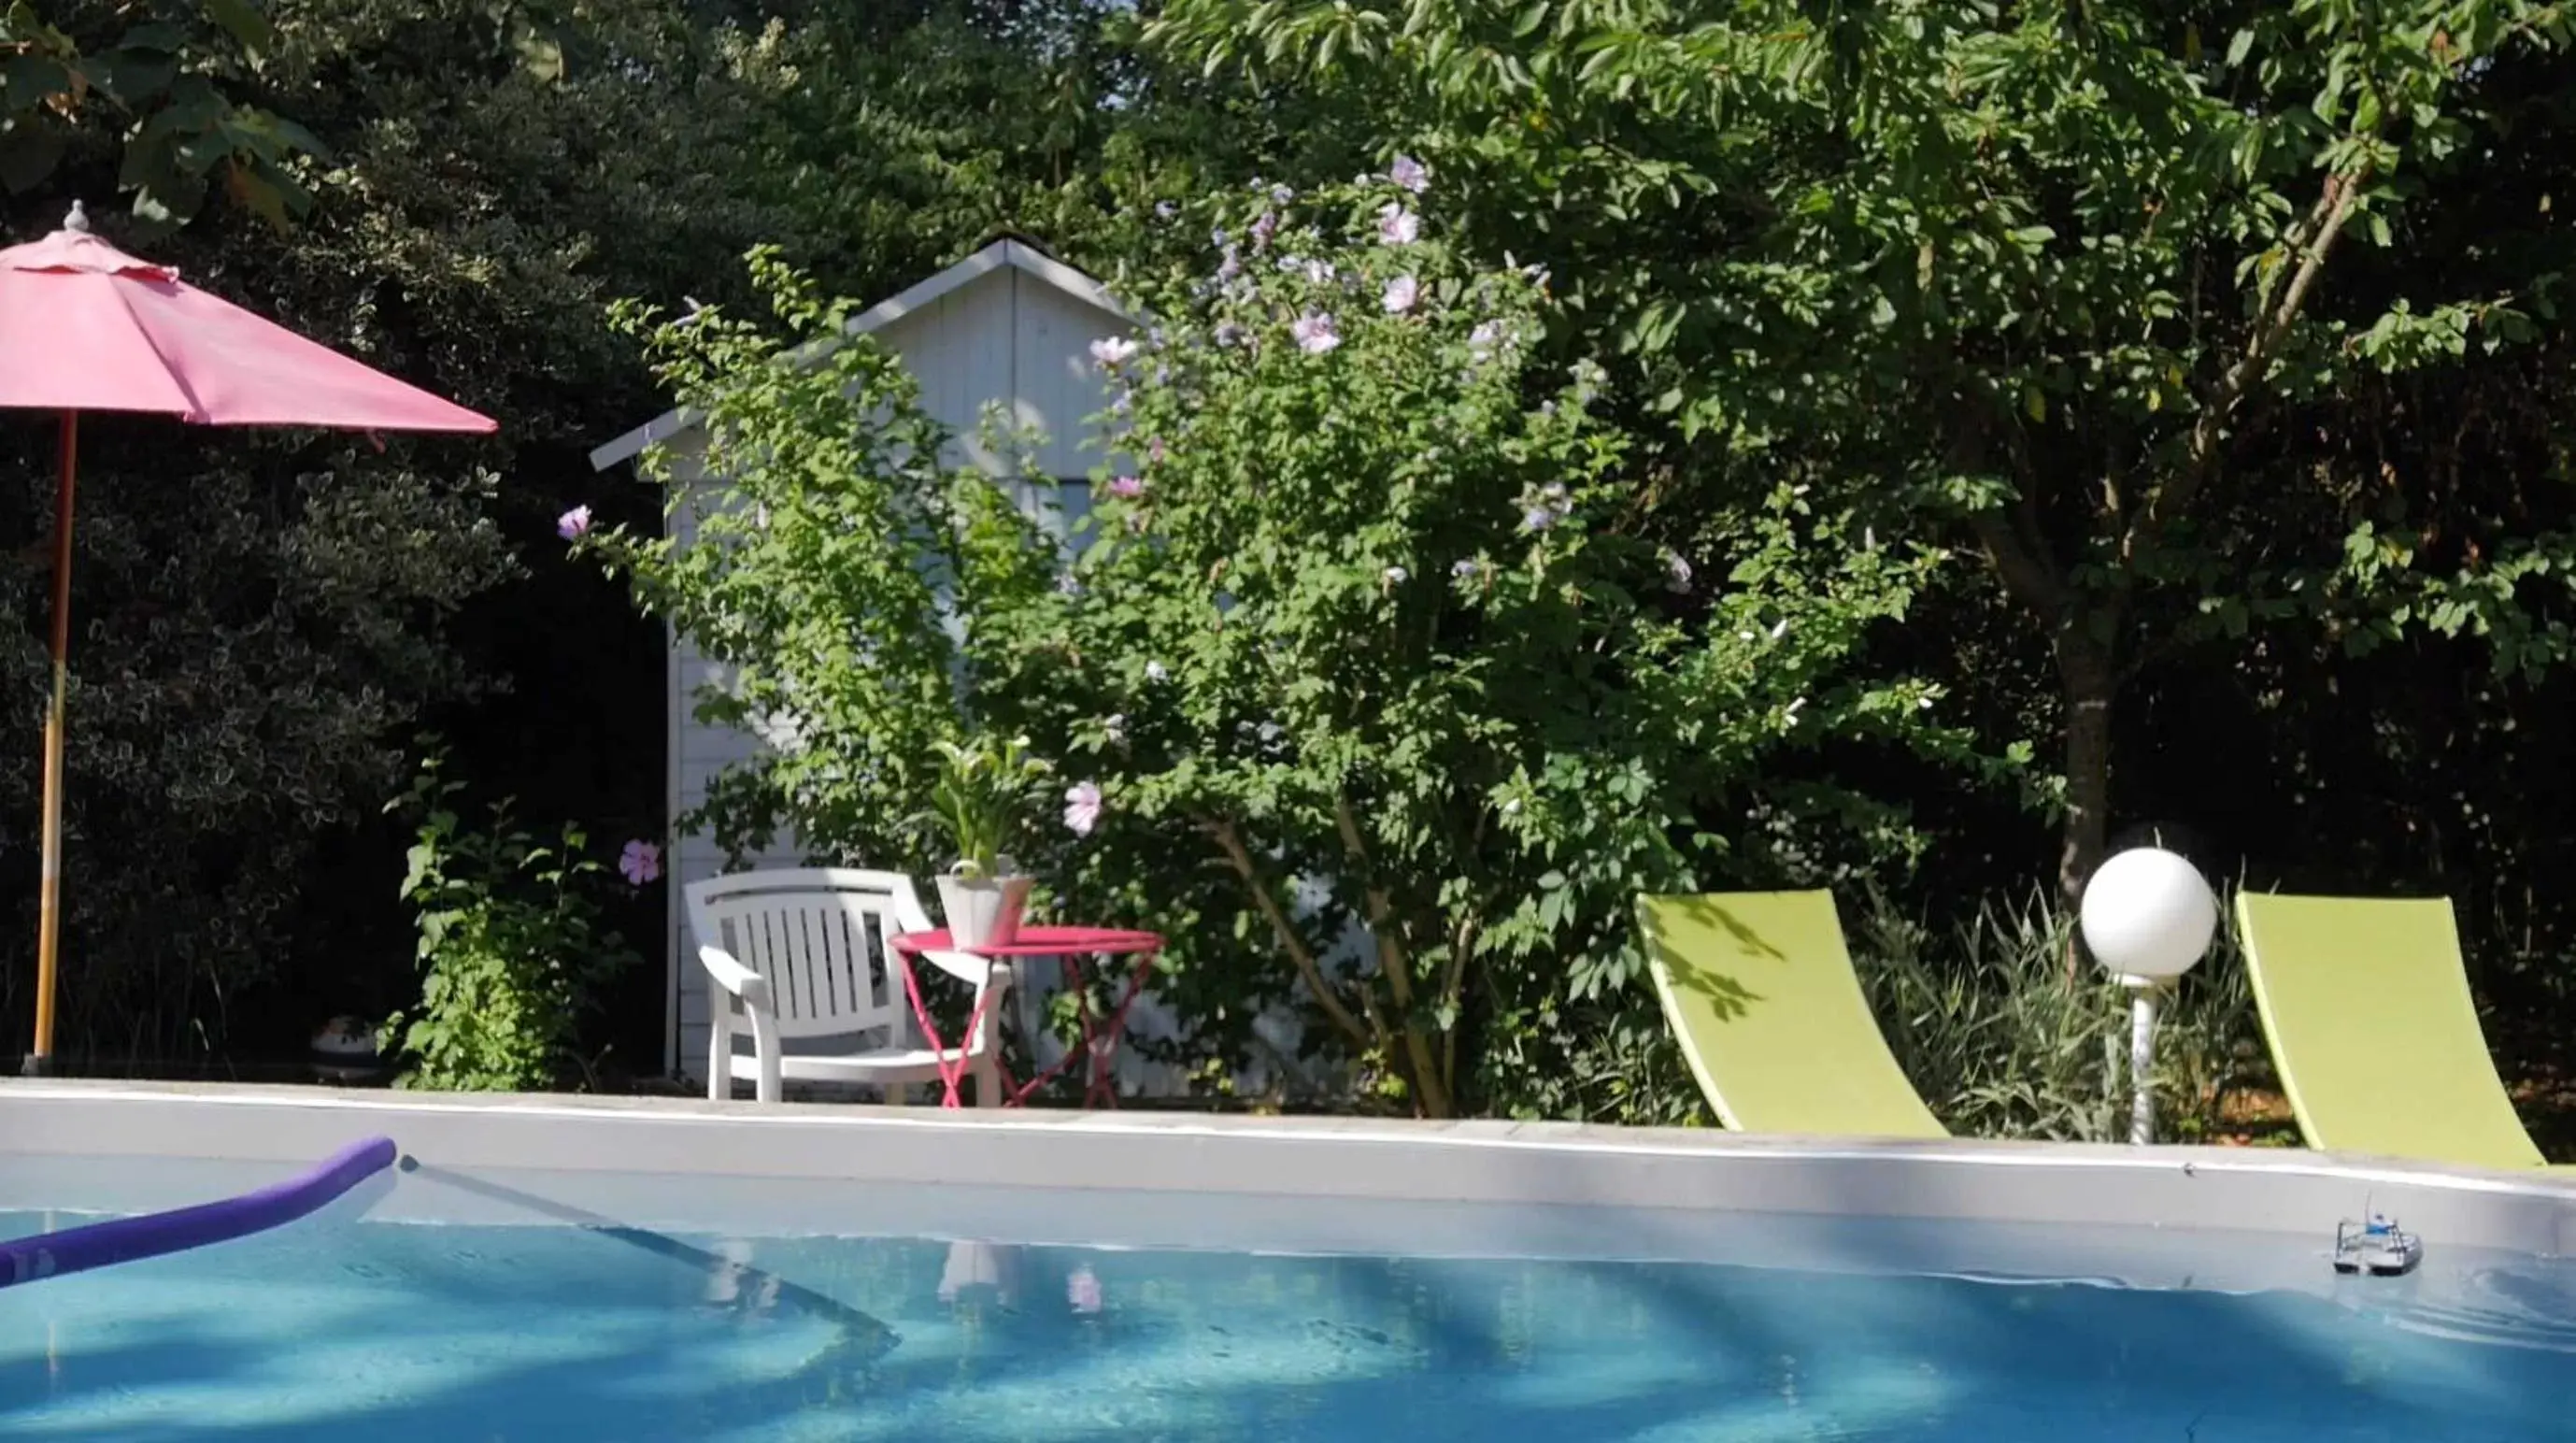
[123, 1240]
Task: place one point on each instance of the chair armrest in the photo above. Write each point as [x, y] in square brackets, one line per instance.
[735, 978]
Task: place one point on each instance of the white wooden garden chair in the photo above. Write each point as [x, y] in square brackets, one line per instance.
[804, 953]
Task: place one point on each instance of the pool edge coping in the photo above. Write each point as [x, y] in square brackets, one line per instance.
[1471, 1135]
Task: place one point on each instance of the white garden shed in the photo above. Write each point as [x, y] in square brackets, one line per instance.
[1009, 325]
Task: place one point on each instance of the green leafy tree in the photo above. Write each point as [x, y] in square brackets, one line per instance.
[169, 77]
[816, 573]
[251, 646]
[900, 136]
[2028, 277]
[261, 617]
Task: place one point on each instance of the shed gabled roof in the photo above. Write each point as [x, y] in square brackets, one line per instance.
[1009, 252]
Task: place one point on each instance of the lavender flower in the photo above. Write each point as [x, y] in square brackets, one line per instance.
[1082, 808]
[1281, 194]
[1165, 210]
[574, 524]
[1397, 576]
[1114, 726]
[1677, 573]
[1544, 508]
[1315, 333]
[1262, 230]
[1397, 226]
[1467, 566]
[1127, 488]
[1401, 295]
[1227, 333]
[1482, 340]
[640, 863]
[1411, 174]
[1112, 351]
[1229, 265]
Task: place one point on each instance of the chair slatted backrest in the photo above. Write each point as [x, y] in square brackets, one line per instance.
[820, 937]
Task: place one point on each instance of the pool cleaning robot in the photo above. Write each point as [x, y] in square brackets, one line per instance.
[2378, 1247]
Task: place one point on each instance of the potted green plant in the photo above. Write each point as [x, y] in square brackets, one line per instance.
[982, 791]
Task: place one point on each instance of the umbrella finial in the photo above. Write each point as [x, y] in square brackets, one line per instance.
[78, 220]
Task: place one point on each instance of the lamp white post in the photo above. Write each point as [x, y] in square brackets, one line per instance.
[2147, 918]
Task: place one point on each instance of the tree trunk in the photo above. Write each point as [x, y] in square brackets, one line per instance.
[1431, 1089]
[2088, 683]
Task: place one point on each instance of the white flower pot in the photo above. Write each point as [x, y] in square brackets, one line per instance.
[983, 911]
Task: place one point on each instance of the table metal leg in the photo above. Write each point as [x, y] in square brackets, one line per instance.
[1099, 1046]
[1103, 1091]
[949, 1077]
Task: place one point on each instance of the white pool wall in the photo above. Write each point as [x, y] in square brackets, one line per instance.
[737, 1161]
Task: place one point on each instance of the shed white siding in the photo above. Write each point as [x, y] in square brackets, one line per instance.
[1011, 334]
[697, 752]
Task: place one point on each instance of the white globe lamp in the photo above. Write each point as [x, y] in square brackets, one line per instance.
[2148, 917]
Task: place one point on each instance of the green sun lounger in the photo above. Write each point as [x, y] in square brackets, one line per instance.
[1759, 990]
[2373, 1031]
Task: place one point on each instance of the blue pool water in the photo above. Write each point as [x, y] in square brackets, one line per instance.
[343, 1329]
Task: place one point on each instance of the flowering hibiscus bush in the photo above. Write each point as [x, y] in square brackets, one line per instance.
[1380, 679]
[823, 574]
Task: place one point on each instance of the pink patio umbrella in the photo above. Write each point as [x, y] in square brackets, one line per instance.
[86, 327]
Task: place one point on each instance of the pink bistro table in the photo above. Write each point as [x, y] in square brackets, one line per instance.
[1100, 1089]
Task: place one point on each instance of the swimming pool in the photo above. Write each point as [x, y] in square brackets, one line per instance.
[478, 1297]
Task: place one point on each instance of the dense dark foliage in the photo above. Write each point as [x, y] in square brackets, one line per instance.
[2344, 668]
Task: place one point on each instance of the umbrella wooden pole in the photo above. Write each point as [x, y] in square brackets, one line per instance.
[151, 343]
[49, 914]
